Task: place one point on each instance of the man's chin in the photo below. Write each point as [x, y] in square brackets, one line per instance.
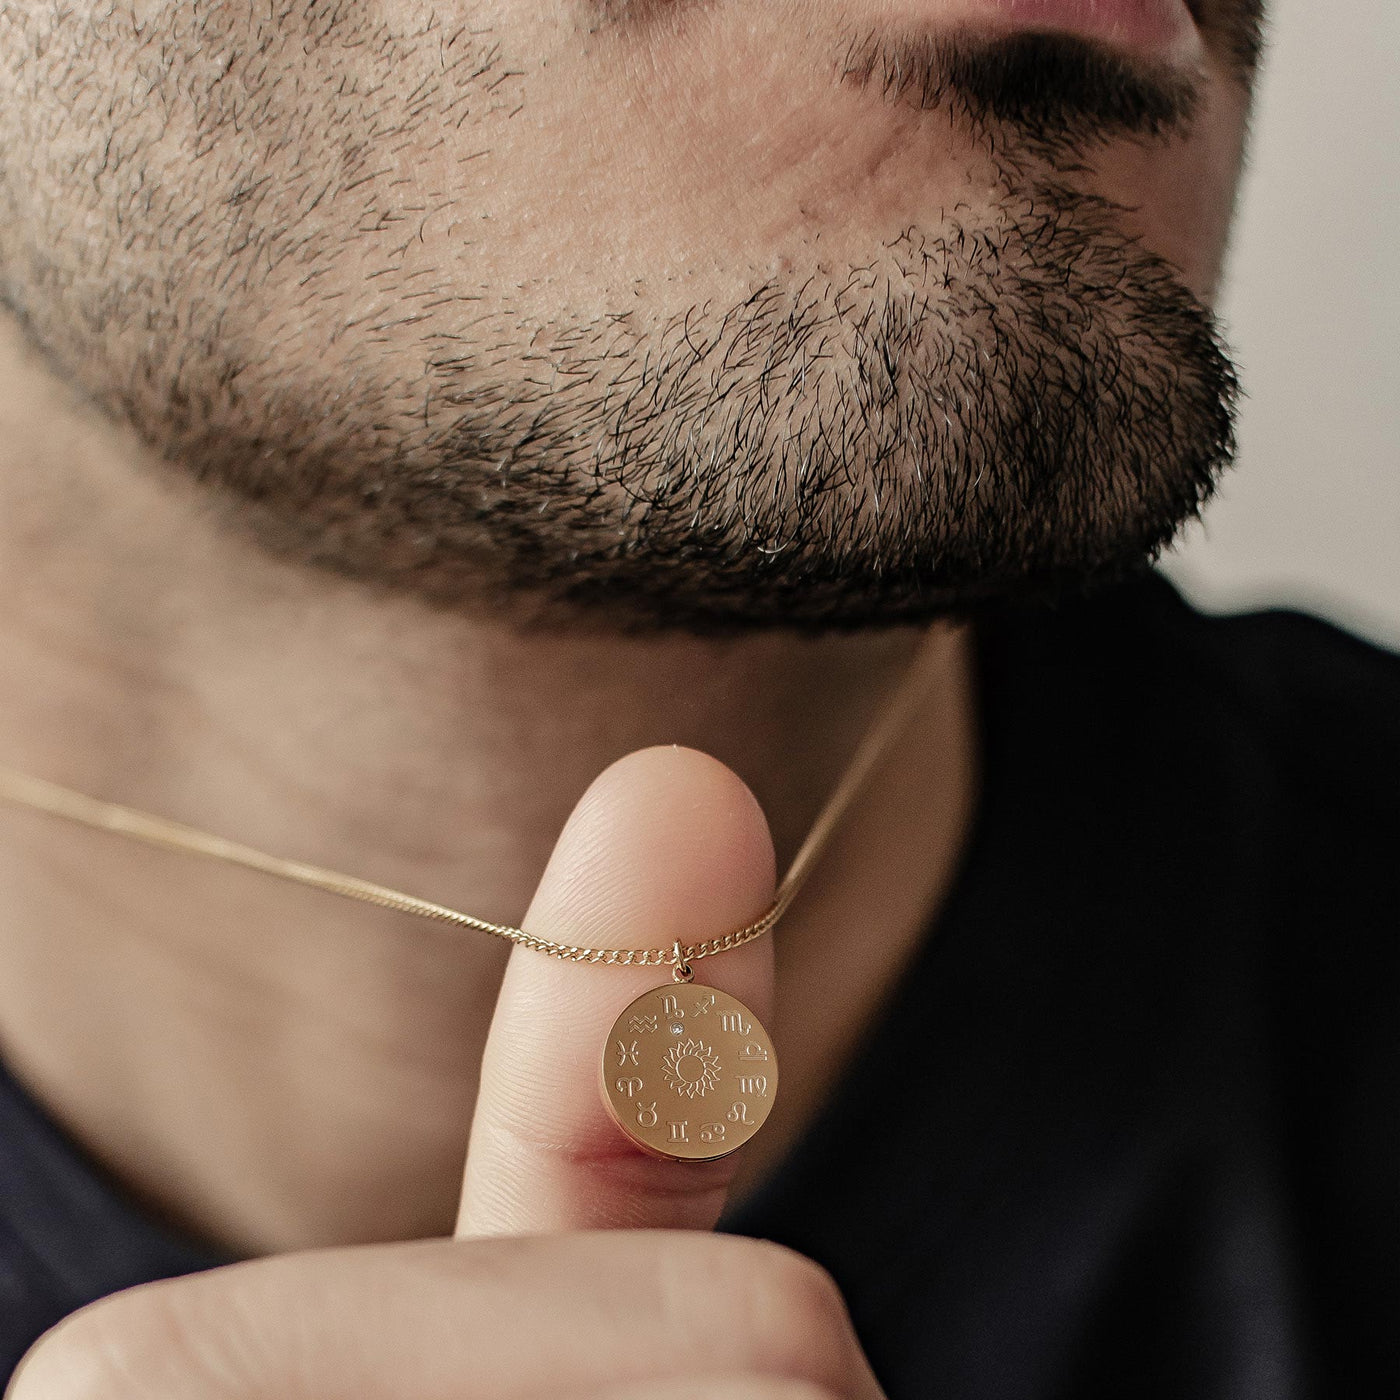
[981, 412]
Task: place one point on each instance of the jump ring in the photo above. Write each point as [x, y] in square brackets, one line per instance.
[681, 970]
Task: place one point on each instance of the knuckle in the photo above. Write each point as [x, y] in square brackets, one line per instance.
[724, 1388]
[769, 1388]
[799, 1326]
[146, 1343]
[792, 1389]
[101, 1350]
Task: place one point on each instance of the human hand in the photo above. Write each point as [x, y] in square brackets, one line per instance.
[580, 1268]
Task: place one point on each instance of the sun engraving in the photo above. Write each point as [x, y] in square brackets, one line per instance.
[691, 1068]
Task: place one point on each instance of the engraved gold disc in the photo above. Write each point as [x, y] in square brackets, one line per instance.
[689, 1073]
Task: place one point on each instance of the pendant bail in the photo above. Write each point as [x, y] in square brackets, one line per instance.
[681, 971]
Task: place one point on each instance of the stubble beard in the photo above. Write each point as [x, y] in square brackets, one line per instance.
[1015, 401]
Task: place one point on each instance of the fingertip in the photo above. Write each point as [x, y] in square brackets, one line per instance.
[649, 836]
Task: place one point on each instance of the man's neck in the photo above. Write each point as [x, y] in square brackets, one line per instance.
[267, 1066]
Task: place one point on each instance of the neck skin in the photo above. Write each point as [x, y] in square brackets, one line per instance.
[268, 1067]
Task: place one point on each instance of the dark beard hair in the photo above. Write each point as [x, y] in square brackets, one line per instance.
[1051, 93]
[996, 410]
[1235, 28]
[1000, 404]
[1054, 91]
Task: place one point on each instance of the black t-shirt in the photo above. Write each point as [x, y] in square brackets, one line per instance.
[1130, 1126]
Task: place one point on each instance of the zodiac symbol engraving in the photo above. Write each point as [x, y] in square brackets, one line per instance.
[687, 1071]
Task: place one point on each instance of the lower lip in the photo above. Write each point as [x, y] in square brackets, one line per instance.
[1162, 29]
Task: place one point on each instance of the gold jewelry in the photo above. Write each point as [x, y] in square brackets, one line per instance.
[729, 1052]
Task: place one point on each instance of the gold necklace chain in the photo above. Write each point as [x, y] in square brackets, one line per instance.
[23, 790]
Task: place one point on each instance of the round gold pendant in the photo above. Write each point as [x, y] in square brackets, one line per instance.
[689, 1073]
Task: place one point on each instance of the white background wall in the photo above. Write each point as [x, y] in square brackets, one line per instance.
[1311, 516]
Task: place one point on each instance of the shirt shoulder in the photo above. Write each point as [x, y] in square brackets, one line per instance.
[1311, 708]
[1325, 703]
